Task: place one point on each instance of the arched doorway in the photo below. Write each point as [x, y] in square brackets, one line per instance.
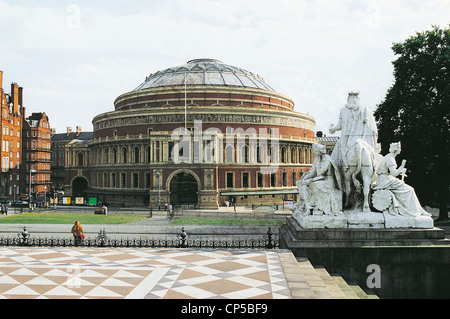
[79, 187]
[183, 190]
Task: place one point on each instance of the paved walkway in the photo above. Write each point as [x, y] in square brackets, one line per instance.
[29, 273]
[146, 273]
[127, 273]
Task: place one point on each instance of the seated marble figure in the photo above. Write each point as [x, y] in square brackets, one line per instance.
[400, 198]
[320, 188]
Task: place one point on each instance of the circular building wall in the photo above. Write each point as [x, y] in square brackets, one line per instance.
[240, 137]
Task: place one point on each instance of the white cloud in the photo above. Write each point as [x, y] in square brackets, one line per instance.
[73, 60]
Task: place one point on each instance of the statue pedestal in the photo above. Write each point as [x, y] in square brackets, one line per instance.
[362, 220]
[415, 263]
[399, 221]
[322, 221]
[294, 236]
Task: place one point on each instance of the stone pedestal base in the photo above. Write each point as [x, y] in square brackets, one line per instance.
[399, 221]
[362, 220]
[322, 221]
[415, 263]
[293, 235]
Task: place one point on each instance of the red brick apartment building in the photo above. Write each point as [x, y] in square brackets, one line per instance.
[11, 119]
[25, 144]
[37, 155]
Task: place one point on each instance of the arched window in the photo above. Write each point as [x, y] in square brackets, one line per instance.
[260, 154]
[208, 153]
[147, 154]
[244, 154]
[106, 156]
[80, 159]
[229, 154]
[124, 155]
[283, 155]
[136, 155]
[273, 154]
[114, 156]
[293, 155]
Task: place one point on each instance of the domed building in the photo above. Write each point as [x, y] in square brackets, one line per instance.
[199, 135]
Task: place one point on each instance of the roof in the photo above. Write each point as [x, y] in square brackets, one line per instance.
[204, 72]
[77, 142]
[34, 119]
[73, 136]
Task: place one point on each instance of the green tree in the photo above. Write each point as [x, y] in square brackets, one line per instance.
[416, 112]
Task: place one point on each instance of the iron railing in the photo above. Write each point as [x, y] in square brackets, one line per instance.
[269, 241]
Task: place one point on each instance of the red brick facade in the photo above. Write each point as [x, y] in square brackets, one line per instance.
[138, 157]
[37, 155]
[11, 118]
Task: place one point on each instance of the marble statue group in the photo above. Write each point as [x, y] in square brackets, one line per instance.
[355, 186]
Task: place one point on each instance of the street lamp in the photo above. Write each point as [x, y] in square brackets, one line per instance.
[29, 190]
[159, 190]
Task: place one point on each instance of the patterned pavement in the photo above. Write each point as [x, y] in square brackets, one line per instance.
[127, 273]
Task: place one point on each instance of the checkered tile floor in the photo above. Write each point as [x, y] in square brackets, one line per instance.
[96, 273]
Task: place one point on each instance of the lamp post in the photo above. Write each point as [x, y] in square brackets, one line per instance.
[54, 197]
[29, 190]
[159, 190]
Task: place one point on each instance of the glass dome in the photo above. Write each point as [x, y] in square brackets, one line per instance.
[204, 72]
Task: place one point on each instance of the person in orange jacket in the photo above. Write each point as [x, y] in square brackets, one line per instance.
[77, 231]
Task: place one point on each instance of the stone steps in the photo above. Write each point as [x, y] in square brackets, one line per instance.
[314, 282]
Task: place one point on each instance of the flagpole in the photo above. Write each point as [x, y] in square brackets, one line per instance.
[185, 106]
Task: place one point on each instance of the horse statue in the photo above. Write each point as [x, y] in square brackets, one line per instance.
[358, 173]
[355, 152]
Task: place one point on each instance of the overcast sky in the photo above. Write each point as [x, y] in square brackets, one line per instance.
[73, 58]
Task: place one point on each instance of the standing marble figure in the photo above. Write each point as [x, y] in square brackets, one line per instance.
[355, 122]
[354, 153]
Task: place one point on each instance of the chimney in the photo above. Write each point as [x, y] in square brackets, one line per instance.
[78, 130]
[69, 130]
[53, 131]
[20, 96]
[1, 80]
[15, 97]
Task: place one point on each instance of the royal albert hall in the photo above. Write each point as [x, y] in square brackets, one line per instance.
[199, 135]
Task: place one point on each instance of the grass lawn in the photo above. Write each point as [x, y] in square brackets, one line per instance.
[226, 221]
[58, 218]
[55, 218]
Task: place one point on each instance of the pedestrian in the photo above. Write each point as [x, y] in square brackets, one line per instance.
[3, 209]
[77, 231]
[6, 209]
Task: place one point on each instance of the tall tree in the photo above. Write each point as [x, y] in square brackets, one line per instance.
[416, 112]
